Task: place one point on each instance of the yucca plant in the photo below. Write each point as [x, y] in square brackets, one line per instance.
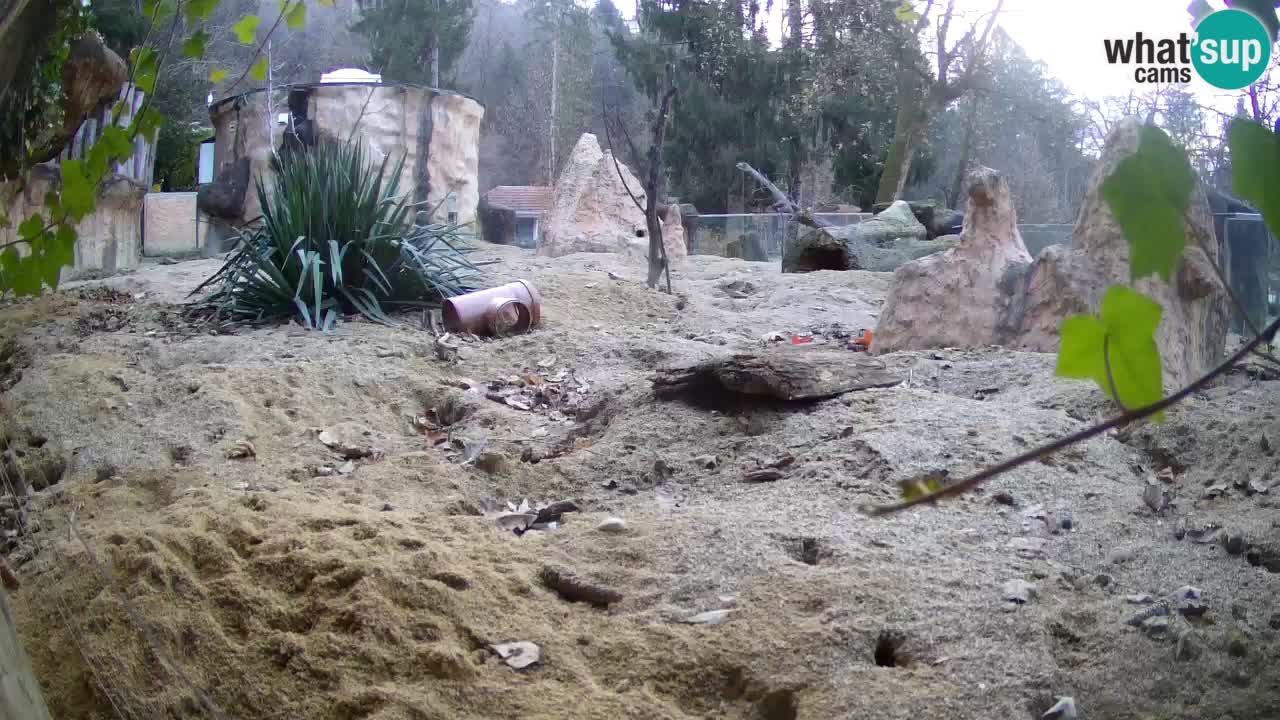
[337, 236]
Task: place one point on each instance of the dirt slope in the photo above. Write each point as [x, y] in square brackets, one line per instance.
[285, 588]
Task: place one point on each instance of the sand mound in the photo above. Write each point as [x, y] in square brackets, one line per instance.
[284, 583]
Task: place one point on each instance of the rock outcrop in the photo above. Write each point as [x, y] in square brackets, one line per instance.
[937, 221]
[881, 244]
[986, 292]
[1192, 332]
[435, 132]
[592, 210]
[673, 237]
[966, 295]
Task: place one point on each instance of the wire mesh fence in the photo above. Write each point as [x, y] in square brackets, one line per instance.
[1248, 258]
[1252, 266]
[753, 236]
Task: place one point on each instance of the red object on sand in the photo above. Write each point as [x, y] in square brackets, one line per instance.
[797, 340]
[862, 341]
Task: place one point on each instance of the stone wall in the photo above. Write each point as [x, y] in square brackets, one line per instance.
[169, 225]
[110, 238]
[437, 133]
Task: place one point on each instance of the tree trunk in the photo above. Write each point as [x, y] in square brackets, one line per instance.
[654, 187]
[555, 89]
[966, 148]
[906, 131]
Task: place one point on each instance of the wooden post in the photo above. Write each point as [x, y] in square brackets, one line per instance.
[19, 691]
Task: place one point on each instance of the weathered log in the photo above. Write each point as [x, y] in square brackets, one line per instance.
[786, 373]
[804, 217]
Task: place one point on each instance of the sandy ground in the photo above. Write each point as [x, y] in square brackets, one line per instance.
[285, 585]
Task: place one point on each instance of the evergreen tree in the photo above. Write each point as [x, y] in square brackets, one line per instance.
[403, 36]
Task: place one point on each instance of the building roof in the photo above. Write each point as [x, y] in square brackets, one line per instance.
[522, 198]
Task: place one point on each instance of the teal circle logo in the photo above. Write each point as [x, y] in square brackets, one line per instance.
[1232, 50]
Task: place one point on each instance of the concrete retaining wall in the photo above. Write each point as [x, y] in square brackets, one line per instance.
[110, 238]
[169, 225]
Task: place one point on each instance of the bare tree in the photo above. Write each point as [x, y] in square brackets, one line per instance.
[923, 93]
[654, 166]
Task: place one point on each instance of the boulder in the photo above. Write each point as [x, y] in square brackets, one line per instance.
[497, 223]
[874, 245]
[894, 222]
[937, 221]
[224, 197]
[1192, 332]
[993, 296]
[591, 209]
[966, 295]
[673, 231]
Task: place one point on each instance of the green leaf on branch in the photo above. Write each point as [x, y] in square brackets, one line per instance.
[193, 47]
[906, 12]
[95, 163]
[60, 251]
[1148, 193]
[18, 273]
[53, 203]
[218, 75]
[143, 60]
[246, 29]
[259, 69]
[77, 191]
[31, 228]
[119, 146]
[157, 10]
[930, 483]
[200, 9]
[1255, 169]
[296, 17]
[1117, 349]
[148, 122]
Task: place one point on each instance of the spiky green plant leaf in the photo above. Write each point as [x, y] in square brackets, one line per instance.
[337, 236]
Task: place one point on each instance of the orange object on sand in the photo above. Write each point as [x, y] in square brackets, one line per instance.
[862, 341]
[799, 340]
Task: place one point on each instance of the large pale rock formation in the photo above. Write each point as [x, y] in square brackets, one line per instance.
[436, 132]
[984, 291]
[673, 235]
[1192, 332]
[965, 295]
[592, 210]
[881, 244]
